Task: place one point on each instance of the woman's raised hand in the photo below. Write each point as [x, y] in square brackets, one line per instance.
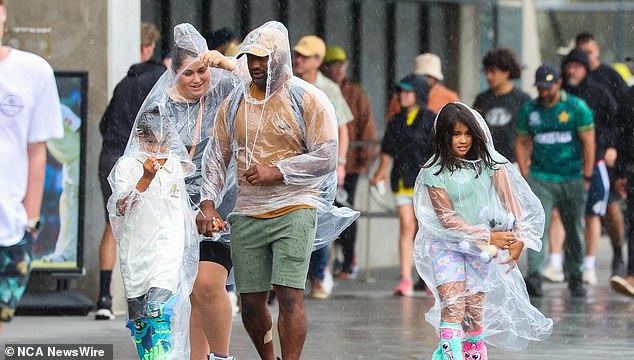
[214, 58]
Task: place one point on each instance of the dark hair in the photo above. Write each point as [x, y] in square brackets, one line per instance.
[179, 55]
[150, 122]
[503, 59]
[448, 117]
[219, 37]
[583, 37]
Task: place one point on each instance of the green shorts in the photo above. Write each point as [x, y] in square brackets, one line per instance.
[15, 267]
[274, 251]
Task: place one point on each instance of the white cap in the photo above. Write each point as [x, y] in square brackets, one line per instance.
[428, 64]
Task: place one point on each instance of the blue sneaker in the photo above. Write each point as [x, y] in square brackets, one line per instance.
[159, 317]
[142, 333]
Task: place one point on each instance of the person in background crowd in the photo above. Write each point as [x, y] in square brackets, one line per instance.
[575, 68]
[408, 144]
[363, 129]
[30, 115]
[308, 55]
[624, 283]
[555, 136]
[601, 73]
[611, 80]
[223, 40]
[500, 103]
[429, 65]
[115, 127]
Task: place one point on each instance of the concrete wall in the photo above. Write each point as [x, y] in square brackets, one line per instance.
[101, 37]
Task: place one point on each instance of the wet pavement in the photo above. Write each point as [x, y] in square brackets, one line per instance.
[362, 320]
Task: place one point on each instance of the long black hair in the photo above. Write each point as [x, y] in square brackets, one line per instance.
[448, 117]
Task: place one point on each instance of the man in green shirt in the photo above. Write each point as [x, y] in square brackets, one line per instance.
[555, 136]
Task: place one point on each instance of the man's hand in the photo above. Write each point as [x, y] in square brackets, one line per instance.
[619, 187]
[215, 59]
[610, 157]
[259, 175]
[208, 220]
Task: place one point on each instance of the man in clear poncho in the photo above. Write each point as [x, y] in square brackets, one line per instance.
[475, 214]
[188, 96]
[282, 134]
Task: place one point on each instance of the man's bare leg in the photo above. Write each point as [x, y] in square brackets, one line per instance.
[616, 229]
[292, 325]
[257, 321]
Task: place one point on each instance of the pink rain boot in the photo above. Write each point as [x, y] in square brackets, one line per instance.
[473, 346]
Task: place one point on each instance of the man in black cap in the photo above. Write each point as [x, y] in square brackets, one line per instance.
[624, 185]
[555, 135]
[576, 67]
[599, 72]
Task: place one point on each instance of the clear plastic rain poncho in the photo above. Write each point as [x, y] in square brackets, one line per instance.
[286, 123]
[456, 212]
[155, 229]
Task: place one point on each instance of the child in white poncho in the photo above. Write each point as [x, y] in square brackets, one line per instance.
[151, 220]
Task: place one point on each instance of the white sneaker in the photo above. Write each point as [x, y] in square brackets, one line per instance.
[553, 274]
[328, 283]
[214, 357]
[233, 297]
[590, 277]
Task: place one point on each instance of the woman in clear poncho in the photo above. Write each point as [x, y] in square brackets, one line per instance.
[476, 213]
[189, 94]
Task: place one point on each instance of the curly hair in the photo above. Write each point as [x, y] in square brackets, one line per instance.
[503, 59]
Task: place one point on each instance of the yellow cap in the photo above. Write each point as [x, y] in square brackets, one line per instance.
[335, 54]
[311, 45]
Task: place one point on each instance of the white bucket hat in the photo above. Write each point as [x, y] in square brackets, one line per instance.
[428, 64]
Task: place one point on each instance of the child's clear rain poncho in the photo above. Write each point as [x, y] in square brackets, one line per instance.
[290, 125]
[450, 220]
[155, 229]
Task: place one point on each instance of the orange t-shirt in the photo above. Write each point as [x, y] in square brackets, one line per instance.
[268, 134]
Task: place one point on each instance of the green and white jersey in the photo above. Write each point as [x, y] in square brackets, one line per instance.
[557, 151]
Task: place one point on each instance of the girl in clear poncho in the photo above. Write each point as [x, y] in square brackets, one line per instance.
[153, 225]
[476, 214]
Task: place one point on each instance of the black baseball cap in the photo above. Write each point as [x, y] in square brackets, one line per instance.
[546, 76]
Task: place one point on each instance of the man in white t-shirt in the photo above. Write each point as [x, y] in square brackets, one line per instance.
[308, 55]
[29, 116]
